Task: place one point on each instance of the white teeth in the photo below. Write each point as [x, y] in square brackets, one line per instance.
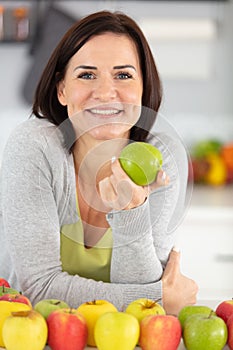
[104, 111]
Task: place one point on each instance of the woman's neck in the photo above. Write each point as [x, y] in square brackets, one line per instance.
[92, 158]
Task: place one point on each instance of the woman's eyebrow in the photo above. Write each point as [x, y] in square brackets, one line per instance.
[85, 67]
[124, 66]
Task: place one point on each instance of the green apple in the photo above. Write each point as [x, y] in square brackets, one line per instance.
[7, 290]
[46, 306]
[190, 310]
[143, 307]
[203, 332]
[141, 161]
[25, 330]
[116, 331]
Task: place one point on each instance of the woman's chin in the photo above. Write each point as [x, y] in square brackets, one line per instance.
[108, 132]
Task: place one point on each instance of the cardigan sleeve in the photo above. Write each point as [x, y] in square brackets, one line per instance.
[144, 236]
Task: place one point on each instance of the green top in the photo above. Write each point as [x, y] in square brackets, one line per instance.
[92, 262]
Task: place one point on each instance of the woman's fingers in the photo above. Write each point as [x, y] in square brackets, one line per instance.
[162, 179]
[118, 191]
[178, 290]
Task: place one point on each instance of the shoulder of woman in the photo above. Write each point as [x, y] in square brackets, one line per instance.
[35, 139]
[34, 132]
[167, 143]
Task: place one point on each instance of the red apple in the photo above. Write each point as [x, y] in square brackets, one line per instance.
[19, 298]
[4, 282]
[161, 332]
[225, 309]
[67, 330]
[230, 332]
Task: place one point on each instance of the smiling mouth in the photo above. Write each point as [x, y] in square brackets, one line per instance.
[105, 113]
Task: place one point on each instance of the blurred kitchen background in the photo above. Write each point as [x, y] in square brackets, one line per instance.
[192, 42]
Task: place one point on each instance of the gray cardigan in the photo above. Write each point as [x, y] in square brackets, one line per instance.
[37, 197]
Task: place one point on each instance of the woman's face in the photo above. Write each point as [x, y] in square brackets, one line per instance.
[103, 86]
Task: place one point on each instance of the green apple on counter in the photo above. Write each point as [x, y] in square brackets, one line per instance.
[141, 161]
[190, 310]
[46, 306]
[116, 331]
[67, 330]
[24, 330]
[202, 332]
[7, 290]
[161, 332]
[143, 307]
[92, 310]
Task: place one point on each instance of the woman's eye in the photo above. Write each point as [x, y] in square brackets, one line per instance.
[124, 75]
[86, 75]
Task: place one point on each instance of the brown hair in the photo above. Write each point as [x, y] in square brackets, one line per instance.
[46, 104]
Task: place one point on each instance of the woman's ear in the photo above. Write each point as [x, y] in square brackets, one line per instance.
[61, 93]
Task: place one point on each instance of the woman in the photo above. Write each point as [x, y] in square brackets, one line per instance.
[75, 227]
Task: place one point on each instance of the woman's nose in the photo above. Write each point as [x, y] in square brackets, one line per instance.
[105, 90]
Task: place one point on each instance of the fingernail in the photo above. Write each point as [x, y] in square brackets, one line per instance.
[176, 249]
[113, 159]
[164, 176]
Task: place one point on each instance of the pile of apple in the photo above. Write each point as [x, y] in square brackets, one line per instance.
[211, 162]
[98, 323]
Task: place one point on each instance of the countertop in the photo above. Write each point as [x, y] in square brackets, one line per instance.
[211, 196]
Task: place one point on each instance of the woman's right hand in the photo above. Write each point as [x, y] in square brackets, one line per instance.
[178, 290]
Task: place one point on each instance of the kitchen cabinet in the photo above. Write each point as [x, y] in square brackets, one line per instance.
[205, 238]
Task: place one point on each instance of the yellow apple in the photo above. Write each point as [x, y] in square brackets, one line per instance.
[143, 307]
[24, 330]
[116, 331]
[6, 308]
[92, 310]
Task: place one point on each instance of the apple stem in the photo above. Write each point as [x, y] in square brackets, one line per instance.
[24, 313]
[211, 314]
[157, 300]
